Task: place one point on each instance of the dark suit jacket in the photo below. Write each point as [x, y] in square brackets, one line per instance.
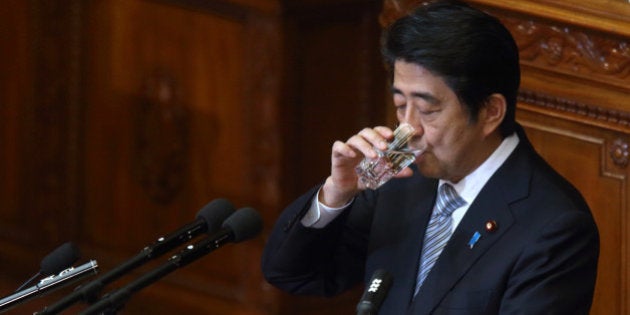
[541, 259]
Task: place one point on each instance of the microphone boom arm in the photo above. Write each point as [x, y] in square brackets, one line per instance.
[192, 252]
[208, 219]
[89, 291]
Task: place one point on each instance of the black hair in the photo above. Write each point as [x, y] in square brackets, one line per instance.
[472, 51]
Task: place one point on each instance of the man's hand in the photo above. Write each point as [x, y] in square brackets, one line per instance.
[343, 183]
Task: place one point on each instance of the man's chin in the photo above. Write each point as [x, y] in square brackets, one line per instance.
[426, 169]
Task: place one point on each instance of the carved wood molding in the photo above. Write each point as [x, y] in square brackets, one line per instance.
[618, 150]
[614, 119]
[562, 48]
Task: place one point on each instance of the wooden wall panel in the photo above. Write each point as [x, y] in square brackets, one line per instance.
[39, 154]
[165, 113]
[15, 82]
[15, 85]
[40, 106]
[325, 42]
[168, 128]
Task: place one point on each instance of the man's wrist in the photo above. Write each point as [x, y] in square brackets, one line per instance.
[332, 197]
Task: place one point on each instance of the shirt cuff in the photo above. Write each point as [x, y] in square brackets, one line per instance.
[319, 215]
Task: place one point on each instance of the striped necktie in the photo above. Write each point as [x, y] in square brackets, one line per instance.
[438, 230]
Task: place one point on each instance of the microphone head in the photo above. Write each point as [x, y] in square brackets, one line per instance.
[244, 224]
[215, 212]
[59, 259]
[375, 292]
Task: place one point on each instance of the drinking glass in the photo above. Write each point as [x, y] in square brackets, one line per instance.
[375, 172]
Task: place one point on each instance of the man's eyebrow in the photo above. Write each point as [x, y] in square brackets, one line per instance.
[429, 98]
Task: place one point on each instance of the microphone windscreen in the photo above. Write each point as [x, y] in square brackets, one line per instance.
[59, 259]
[215, 212]
[375, 292]
[245, 223]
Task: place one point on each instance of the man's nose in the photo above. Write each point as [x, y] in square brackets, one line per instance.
[412, 117]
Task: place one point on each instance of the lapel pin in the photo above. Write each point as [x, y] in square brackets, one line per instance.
[491, 226]
[473, 240]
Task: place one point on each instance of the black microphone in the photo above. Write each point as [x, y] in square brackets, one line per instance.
[244, 224]
[59, 259]
[56, 261]
[375, 293]
[50, 283]
[208, 220]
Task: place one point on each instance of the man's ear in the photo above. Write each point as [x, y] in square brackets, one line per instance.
[492, 113]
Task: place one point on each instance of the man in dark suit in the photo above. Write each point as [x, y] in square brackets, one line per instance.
[517, 238]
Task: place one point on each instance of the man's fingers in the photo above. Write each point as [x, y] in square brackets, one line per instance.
[406, 172]
[341, 149]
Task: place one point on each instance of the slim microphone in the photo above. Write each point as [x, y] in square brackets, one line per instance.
[244, 224]
[208, 220]
[59, 259]
[56, 261]
[47, 284]
[375, 293]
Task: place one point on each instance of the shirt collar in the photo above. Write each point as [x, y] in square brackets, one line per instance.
[470, 186]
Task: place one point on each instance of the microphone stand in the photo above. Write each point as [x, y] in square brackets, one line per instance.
[89, 291]
[112, 302]
[65, 277]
